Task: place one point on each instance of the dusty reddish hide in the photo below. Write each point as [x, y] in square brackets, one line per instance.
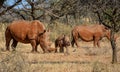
[89, 33]
[47, 34]
[49, 43]
[62, 41]
[32, 32]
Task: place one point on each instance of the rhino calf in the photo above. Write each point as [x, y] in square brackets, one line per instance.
[61, 42]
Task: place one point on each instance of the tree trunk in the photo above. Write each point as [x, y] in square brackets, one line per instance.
[32, 12]
[113, 44]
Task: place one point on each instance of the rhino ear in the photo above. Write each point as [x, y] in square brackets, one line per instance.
[42, 33]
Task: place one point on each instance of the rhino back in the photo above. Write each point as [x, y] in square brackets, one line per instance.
[87, 32]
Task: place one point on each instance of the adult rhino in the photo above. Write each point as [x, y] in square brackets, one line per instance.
[89, 33]
[32, 32]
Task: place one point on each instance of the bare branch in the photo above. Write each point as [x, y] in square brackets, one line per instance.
[101, 20]
[1, 3]
[10, 7]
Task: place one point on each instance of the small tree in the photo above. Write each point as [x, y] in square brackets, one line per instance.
[108, 12]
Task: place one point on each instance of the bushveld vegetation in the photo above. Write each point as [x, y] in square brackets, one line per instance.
[60, 16]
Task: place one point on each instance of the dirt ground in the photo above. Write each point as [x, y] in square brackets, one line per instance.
[84, 59]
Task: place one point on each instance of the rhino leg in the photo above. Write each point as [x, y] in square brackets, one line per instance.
[36, 48]
[56, 46]
[75, 39]
[76, 42]
[67, 51]
[8, 39]
[72, 42]
[61, 49]
[14, 44]
[96, 42]
[55, 49]
[7, 44]
[33, 43]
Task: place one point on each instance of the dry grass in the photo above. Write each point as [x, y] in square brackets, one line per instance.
[83, 59]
